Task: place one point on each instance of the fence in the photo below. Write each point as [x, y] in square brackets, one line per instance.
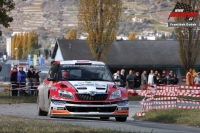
[162, 97]
[21, 88]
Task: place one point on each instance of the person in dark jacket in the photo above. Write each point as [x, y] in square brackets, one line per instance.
[176, 81]
[31, 80]
[137, 81]
[37, 80]
[21, 78]
[130, 80]
[13, 80]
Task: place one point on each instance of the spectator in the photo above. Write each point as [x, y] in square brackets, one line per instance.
[176, 81]
[150, 78]
[31, 80]
[154, 76]
[130, 79]
[137, 81]
[158, 79]
[117, 76]
[170, 78]
[197, 79]
[21, 78]
[189, 78]
[37, 81]
[123, 78]
[11, 71]
[144, 78]
[13, 80]
[163, 77]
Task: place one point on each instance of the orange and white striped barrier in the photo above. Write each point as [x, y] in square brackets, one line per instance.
[163, 97]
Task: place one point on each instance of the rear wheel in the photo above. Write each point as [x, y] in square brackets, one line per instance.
[40, 112]
[104, 118]
[121, 119]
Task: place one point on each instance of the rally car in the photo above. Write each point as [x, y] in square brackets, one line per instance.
[82, 88]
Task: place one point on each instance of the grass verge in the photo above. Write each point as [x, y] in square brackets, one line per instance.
[190, 117]
[13, 124]
[17, 99]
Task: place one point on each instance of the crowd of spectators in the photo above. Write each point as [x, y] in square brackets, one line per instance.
[135, 80]
[22, 81]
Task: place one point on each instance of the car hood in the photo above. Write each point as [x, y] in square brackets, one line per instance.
[86, 86]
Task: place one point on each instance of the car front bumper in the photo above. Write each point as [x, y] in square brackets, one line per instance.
[90, 109]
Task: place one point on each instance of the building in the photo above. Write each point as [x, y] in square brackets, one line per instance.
[138, 20]
[137, 55]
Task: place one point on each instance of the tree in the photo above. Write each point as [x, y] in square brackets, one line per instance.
[13, 44]
[5, 7]
[188, 38]
[131, 36]
[32, 41]
[25, 42]
[71, 35]
[163, 37]
[158, 38]
[100, 19]
[174, 36]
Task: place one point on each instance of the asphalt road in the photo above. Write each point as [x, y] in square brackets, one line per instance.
[29, 111]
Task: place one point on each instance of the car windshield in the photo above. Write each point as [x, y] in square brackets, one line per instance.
[84, 72]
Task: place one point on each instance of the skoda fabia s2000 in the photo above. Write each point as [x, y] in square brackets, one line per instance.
[82, 88]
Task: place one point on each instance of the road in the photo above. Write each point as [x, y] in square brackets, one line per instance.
[29, 111]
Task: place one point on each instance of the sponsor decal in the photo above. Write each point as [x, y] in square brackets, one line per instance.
[182, 10]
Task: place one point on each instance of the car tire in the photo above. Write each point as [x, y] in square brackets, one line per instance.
[40, 112]
[49, 110]
[104, 118]
[121, 119]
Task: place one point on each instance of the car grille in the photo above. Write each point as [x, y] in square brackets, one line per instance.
[92, 98]
[91, 109]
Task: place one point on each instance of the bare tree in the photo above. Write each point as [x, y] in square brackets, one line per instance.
[188, 37]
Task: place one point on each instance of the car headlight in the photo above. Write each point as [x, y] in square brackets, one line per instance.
[65, 94]
[116, 94]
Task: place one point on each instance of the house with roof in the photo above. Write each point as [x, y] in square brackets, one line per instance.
[136, 55]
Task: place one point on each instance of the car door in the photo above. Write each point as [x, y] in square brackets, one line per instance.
[52, 74]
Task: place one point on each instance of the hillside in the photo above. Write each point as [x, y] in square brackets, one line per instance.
[54, 18]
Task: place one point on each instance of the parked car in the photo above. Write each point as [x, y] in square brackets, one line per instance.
[89, 90]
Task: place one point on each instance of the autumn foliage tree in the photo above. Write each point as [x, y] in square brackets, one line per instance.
[131, 36]
[23, 44]
[100, 19]
[188, 37]
[71, 35]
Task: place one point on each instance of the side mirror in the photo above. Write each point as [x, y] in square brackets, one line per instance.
[50, 79]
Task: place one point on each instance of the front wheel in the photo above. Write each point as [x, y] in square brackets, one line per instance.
[39, 111]
[104, 118]
[121, 119]
[49, 110]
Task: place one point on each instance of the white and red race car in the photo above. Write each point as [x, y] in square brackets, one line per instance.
[87, 89]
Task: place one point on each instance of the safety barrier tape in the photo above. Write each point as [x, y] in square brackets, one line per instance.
[169, 98]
